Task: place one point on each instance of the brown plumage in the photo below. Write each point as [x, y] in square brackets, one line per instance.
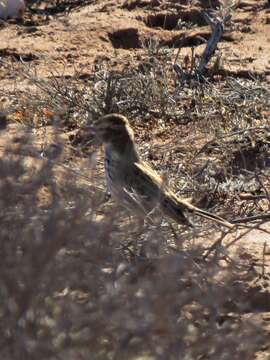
[135, 184]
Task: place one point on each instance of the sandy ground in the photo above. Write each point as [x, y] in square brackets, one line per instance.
[117, 29]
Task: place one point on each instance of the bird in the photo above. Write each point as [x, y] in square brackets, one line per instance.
[135, 184]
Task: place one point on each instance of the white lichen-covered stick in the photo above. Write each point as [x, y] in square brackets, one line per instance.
[217, 26]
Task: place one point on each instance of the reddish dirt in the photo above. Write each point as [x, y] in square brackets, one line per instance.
[117, 30]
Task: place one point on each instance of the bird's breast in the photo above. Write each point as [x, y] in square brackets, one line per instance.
[129, 184]
[113, 169]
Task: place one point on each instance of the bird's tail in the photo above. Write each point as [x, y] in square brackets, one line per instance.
[178, 210]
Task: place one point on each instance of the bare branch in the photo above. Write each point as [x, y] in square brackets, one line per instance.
[217, 26]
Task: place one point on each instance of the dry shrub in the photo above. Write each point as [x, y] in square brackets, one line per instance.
[76, 282]
[78, 285]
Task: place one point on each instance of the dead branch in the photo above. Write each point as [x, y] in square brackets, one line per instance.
[251, 218]
[217, 26]
[223, 136]
[244, 196]
[219, 241]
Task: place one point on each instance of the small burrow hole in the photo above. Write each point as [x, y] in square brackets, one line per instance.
[131, 5]
[125, 39]
[182, 20]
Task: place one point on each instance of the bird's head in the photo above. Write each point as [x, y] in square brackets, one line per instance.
[113, 129]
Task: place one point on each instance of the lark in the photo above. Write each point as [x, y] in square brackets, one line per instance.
[133, 183]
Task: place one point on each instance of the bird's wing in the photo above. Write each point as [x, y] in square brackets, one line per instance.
[171, 204]
[146, 181]
[142, 187]
[150, 175]
[134, 201]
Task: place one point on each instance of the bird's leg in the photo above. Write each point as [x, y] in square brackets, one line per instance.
[139, 229]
